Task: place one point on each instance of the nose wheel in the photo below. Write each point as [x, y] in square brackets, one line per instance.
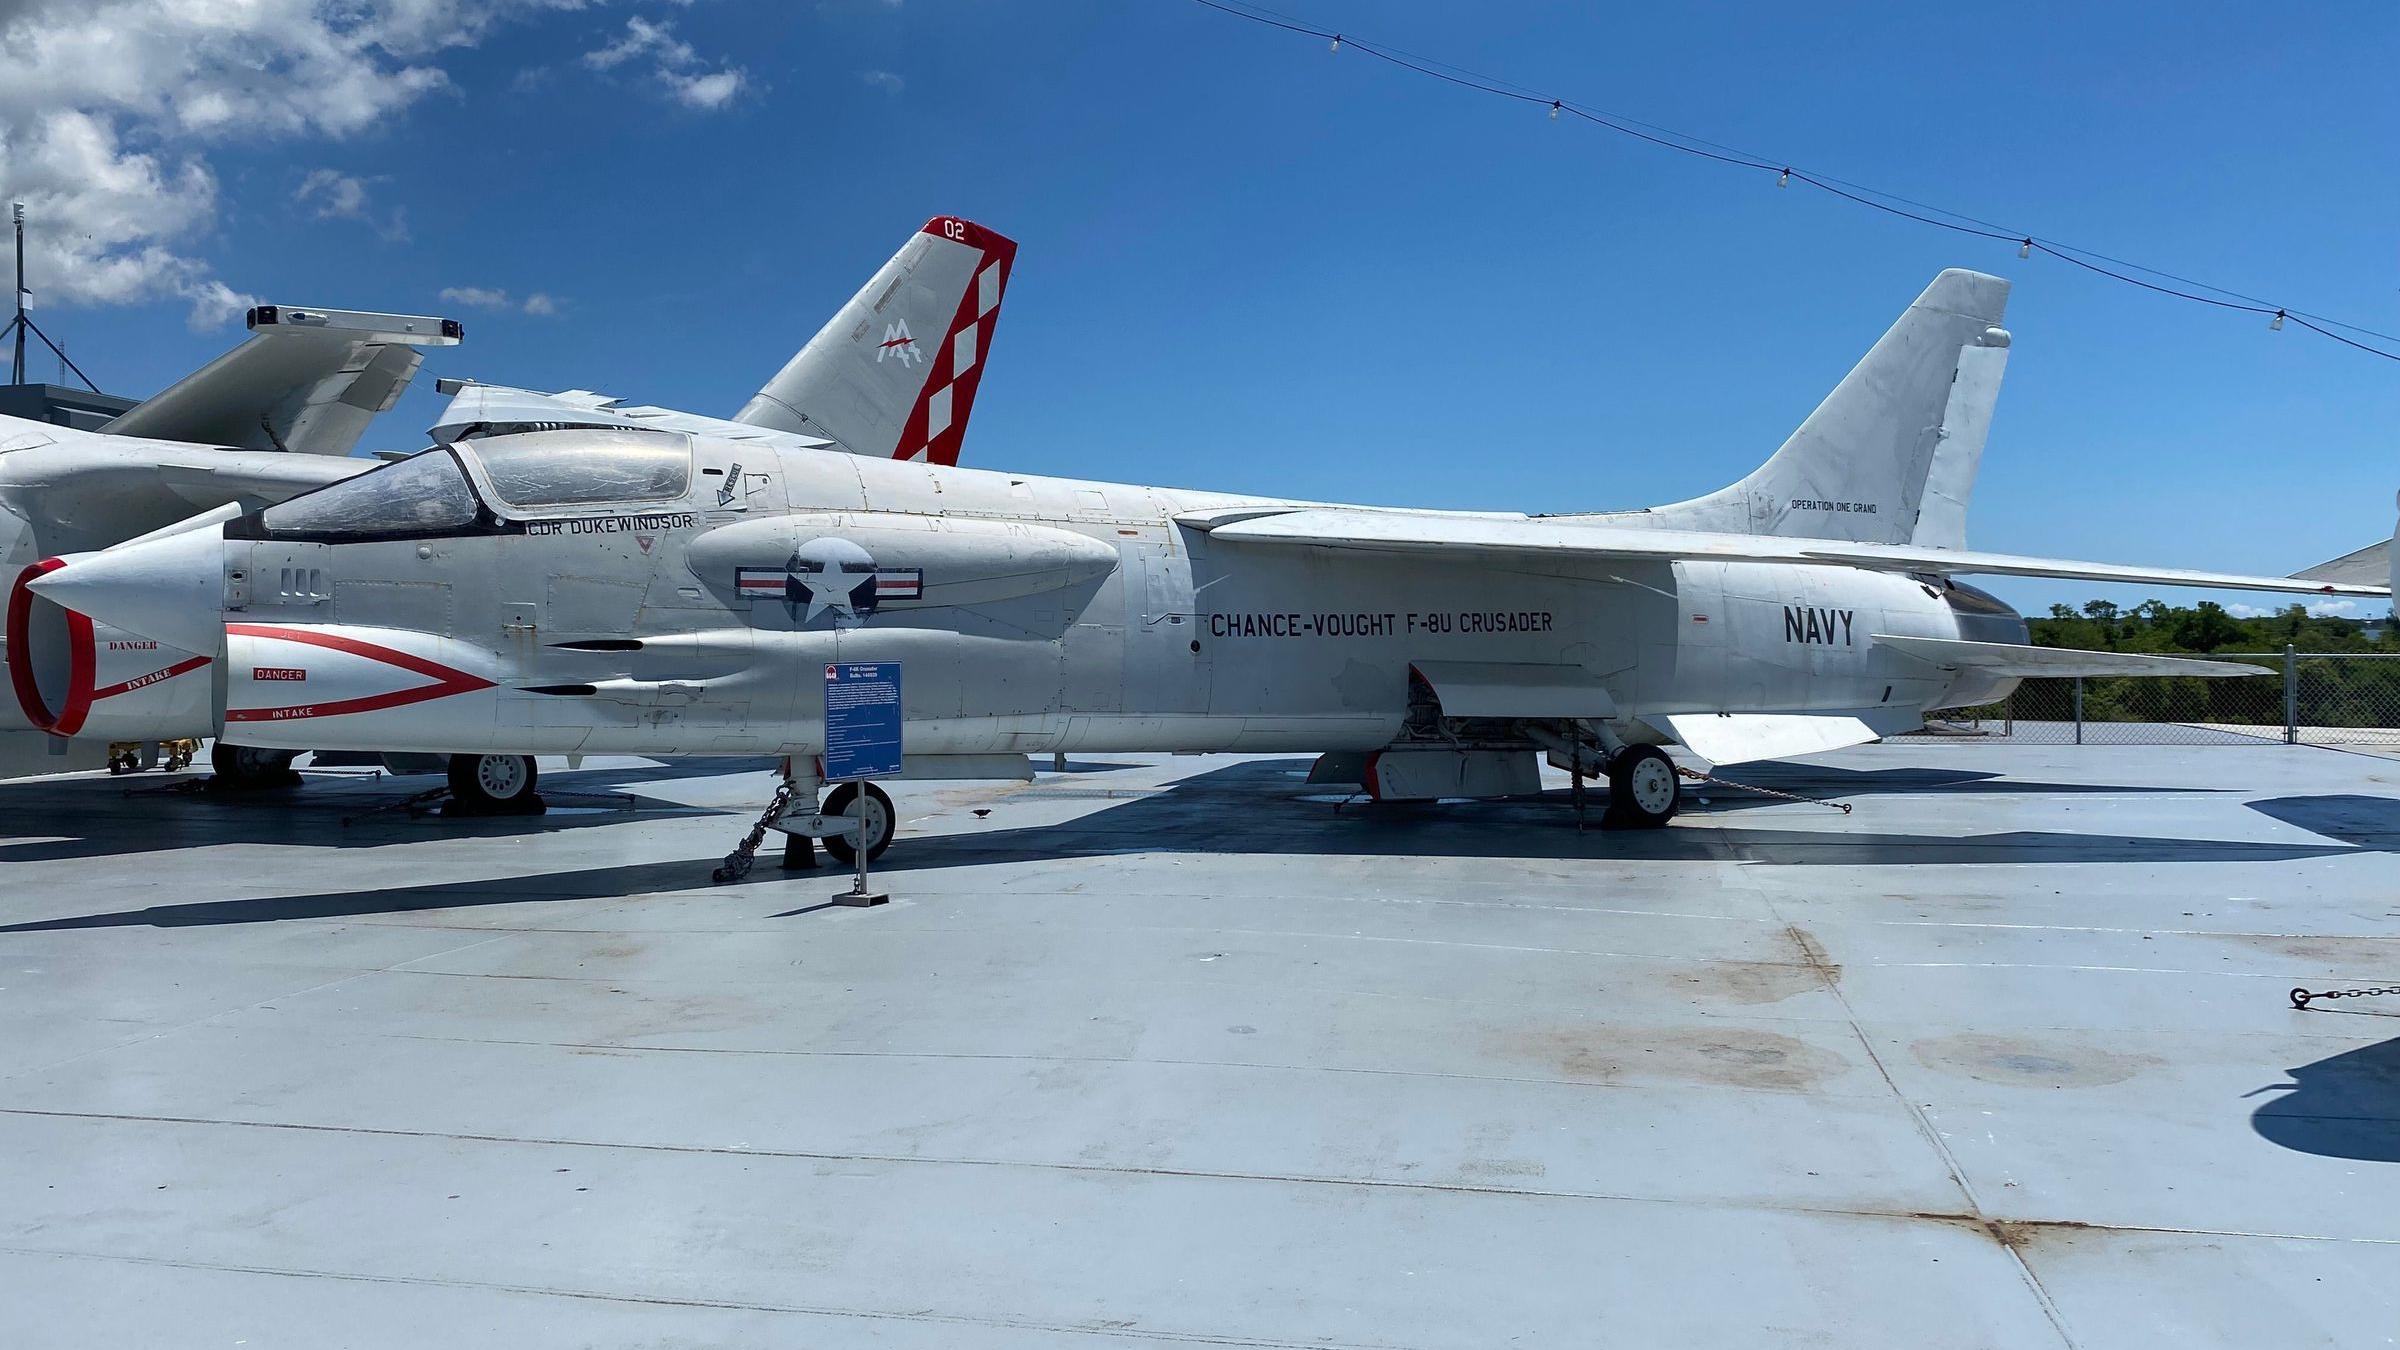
[495, 785]
[881, 823]
[1644, 791]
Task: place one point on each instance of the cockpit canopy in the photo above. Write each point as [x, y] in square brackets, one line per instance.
[576, 468]
[479, 486]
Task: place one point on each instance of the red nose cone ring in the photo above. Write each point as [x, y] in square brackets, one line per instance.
[21, 676]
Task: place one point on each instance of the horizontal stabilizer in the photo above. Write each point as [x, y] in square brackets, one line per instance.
[2008, 658]
[1739, 738]
[2364, 567]
[307, 380]
[1461, 534]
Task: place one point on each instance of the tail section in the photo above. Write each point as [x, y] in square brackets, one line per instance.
[1890, 456]
[2377, 562]
[893, 374]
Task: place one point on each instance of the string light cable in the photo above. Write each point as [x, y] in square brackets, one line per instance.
[1890, 203]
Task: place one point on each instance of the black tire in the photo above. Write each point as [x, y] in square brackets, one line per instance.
[882, 823]
[1644, 791]
[494, 784]
[243, 769]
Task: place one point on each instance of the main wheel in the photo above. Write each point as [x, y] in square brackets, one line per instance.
[1643, 790]
[493, 783]
[243, 768]
[882, 821]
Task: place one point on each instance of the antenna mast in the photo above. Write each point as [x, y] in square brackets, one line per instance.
[23, 322]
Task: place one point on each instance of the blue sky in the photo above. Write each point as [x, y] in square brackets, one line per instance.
[1248, 263]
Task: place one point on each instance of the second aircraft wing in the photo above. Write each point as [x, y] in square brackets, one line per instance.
[307, 380]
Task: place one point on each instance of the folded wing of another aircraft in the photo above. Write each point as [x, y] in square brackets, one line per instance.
[307, 380]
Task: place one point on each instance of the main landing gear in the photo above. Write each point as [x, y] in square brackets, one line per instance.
[240, 768]
[495, 785]
[1644, 791]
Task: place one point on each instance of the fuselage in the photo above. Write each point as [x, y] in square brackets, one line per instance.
[692, 613]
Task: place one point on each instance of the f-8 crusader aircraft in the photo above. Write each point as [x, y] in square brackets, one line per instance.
[664, 593]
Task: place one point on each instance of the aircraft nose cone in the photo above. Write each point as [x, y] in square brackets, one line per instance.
[170, 589]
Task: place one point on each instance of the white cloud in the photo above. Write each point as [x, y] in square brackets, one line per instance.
[2323, 609]
[673, 63]
[492, 298]
[341, 196]
[108, 109]
[883, 80]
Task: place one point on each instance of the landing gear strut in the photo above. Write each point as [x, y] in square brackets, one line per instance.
[1644, 790]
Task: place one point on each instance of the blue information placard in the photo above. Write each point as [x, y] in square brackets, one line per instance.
[862, 720]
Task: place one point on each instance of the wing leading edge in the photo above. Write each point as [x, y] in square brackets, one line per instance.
[1564, 537]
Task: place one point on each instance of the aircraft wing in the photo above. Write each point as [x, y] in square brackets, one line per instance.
[307, 380]
[2010, 658]
[1569, 537]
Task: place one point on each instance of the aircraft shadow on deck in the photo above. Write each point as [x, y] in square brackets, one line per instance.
[1260, 807]
[1263, 807]
[116, 817]
[591, 883]
[2363, 822]
[2342, 1106]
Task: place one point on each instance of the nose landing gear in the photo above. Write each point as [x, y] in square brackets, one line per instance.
[881, 822]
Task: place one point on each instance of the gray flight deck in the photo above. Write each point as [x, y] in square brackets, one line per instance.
[1182, 1050]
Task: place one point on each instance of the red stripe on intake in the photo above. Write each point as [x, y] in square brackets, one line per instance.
[154, 677]
[447, 680]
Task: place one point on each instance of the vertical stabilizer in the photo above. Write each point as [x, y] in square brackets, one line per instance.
[893, 374]
[1890, 456]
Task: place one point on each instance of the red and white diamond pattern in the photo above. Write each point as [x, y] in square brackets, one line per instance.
[937, 426]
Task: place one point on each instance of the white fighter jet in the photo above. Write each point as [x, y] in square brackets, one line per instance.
[893, 374]
[676, 593]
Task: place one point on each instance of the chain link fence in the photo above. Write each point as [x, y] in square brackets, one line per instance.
[2349, 700]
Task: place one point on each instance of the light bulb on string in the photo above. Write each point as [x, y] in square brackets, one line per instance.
[1784, 180]
[1337, 43]
[1554, 110]
[2025, 248]
[2277, 325]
